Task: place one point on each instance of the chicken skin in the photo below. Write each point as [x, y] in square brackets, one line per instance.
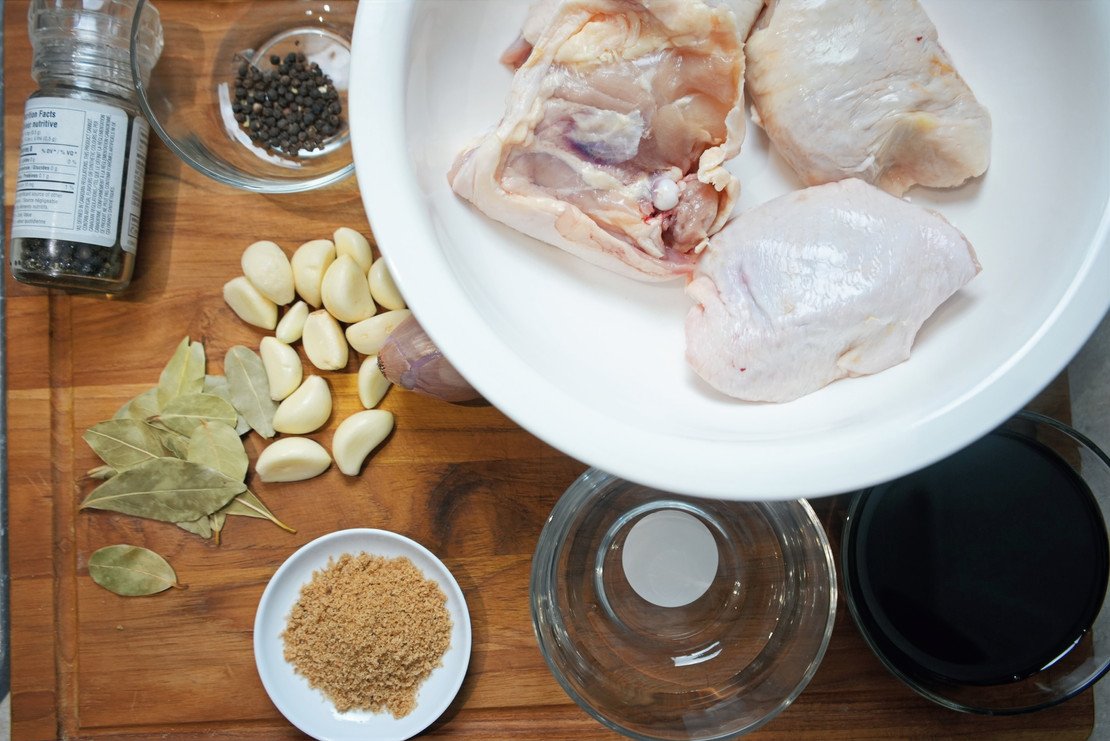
[820, 284]
[620, 119]
[862, 89]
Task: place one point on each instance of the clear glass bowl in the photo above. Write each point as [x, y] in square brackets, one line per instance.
[669, 617]
[1035, 534]
[188, 98]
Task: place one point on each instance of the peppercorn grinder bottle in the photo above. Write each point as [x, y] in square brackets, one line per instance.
[80, 183]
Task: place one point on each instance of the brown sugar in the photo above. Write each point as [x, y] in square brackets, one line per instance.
[367, 631]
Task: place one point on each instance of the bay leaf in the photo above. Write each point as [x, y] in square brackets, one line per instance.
[198, 360]
[131, 571]
[248, 504]
[200, 526]
[174, 442]
[217, 445]
[122, 412]
[250, 389]
[183, 374]
[141, 407]
[101, 472]
[165, 489]
[217, 385]
[183, 414]
[123, 443]
[216, 521]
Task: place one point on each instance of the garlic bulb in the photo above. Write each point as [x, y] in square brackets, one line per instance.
[411, 360]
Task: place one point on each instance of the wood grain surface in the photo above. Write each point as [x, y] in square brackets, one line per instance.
[463, 480]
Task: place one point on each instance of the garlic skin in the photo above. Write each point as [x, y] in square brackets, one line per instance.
[411, 360]
[283, 367]
[309, 263]
[357, 436]
[292, 459]
[323, 341]
[249, 304]
[351, 242]
[372, 385]
[306, 409]
[267, 268]
[291, 325]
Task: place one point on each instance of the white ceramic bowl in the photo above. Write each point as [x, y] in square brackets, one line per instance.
[308, 709]
[593, 363]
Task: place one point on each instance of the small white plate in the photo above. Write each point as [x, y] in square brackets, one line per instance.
[307, 708]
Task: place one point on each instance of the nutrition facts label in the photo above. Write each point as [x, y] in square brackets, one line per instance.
[133, 198]
[71, 163]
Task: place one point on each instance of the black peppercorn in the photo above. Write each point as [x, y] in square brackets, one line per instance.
[291, 108]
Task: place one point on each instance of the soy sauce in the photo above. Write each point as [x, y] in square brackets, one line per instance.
[981, 569]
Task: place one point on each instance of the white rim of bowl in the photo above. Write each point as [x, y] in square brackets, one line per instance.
[719, 469]
[451, 586]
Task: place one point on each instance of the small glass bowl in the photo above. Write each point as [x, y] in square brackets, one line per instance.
[188, 98]
[1073, 665]
[669, 617]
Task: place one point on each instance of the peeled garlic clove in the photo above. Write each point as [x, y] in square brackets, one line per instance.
[345, 292]
[352, 243]
[357, 435]
[382, 287]
[372, 385]
[368, 336]
[306, 409]
[292, 459]
[283, 367]
[323, 341]
[250, 305]
[411, 360]
[268, 269]
[309, 263]
[291, 325]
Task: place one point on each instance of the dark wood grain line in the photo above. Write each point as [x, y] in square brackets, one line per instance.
[65, 549]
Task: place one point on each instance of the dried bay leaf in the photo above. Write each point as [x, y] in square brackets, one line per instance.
[213, 382]
[200, 526]
[183, 374]
[165, 489]
[250, 389]
[184, 413]
[216, 521]
[218, 446]
[131, 571]
[217, 385]
[124, 443]
[144, 406]
[248, 504]
[174, 442]
[198, 359]
[101, 472]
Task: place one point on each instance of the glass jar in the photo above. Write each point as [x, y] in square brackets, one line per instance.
[80, 183]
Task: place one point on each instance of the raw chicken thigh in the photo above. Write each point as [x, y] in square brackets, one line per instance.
[823, 283]
[621, 116]
[862, 88]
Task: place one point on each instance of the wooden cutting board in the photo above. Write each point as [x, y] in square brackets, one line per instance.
[463, 480]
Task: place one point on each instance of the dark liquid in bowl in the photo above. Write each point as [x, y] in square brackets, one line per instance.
[981, 569]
